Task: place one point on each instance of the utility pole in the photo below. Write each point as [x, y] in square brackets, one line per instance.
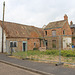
[3, 26]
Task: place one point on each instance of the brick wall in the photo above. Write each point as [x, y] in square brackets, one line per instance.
[30, 43]
[73, 41]
[59, 31]
[73, 33]
[19, 43]
[67, 29]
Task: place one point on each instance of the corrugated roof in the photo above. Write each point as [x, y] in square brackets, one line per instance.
[19, 30]
[57, 24]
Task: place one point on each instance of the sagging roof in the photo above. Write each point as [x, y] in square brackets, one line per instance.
[57, 24]
[19, 30]
[72, 26]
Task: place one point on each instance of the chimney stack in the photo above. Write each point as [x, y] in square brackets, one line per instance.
[71, 23]
[65, 17]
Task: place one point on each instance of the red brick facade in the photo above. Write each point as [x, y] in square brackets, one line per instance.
[67, 29]
[59, 31]
[30, 43]
[64, 30]
[34, 37]
[73, 36]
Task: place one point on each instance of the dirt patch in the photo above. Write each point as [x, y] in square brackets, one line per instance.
[46, 59]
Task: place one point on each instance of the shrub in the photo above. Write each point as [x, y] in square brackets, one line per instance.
[35, 48]
[68, 53]
[52, 52]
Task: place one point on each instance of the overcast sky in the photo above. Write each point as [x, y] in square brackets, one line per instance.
[37, 12]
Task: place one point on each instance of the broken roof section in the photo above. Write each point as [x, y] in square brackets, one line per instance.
[57, 24]
[19, 30]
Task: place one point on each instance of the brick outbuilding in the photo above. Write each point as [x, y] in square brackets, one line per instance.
[22, 37]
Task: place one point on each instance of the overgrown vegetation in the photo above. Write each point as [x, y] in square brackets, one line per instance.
[66, 55]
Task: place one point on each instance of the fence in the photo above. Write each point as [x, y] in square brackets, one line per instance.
[52, 49]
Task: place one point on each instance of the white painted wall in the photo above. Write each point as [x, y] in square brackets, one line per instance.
[1, 40]
[67, 40]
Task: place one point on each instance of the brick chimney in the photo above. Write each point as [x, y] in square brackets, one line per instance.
[71, 23]
[65, 17]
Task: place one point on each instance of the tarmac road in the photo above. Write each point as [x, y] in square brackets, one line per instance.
[43, 67]
[11, 70]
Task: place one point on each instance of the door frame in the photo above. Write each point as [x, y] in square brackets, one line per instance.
[65, 40]
[26, 45]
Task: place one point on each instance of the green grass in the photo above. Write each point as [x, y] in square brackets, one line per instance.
[66, 55]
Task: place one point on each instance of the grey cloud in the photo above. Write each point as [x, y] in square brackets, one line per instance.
[38, 12]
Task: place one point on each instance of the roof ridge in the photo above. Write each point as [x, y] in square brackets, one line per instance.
[57, 21]
[55, 24]
[19, 24]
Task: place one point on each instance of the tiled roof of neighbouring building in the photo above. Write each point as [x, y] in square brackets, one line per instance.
[19, 30]
[57, 24]
[72, 26]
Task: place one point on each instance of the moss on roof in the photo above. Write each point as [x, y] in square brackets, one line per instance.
[19, 30]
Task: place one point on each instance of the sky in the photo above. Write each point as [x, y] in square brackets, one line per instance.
[37, 12]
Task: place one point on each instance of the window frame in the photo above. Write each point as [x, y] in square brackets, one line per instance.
[54, 44]
[63, 32]
[45, 32]
[13, 44]
[10, 43]
[34, 44]
[53, 32]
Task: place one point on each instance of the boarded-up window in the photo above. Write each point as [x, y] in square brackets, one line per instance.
[54, 33]
[53, 43]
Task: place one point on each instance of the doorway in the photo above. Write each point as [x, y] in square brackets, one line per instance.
[46, 44]
[24, 46]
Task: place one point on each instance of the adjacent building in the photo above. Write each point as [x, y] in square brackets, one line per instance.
[59, 34]
[72, 26]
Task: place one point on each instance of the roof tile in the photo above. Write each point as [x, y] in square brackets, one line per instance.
[19, 30]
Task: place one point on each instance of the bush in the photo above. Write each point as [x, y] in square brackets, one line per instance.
[52, 52]
[35, 48]
[68, 53]
[65, 53]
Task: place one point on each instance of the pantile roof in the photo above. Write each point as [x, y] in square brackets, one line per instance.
[57, 24]
[19, 30]
[72, 26]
